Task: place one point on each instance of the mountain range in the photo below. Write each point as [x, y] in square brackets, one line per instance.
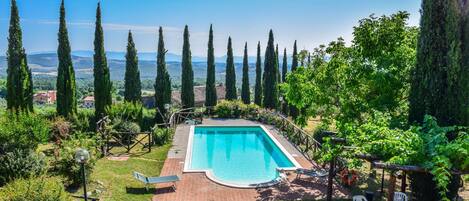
[45, 64]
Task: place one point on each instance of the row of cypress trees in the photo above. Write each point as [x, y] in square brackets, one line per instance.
[19, 81]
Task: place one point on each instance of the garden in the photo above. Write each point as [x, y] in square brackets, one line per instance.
[38, 155]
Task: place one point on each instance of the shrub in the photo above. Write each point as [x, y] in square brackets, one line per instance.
[20, 164]
[83, 121]
[40, 188]
[148, 120]
[125, 130]
[22, 131]
[162, 136]
[61, 129]
[235, 109]
[126, 111]
[66, 164]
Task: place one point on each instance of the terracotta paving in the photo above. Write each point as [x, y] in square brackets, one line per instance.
[197, 187]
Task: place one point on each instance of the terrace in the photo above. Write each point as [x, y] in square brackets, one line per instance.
[196, 186]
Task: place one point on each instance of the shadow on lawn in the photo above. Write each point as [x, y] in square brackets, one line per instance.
[141, 191]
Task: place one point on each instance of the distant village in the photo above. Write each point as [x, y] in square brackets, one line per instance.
[148, 100]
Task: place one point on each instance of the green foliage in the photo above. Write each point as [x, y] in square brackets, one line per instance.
[102, 81]
[347, 84]
[235, 109]
[426, 146]
[161, 136]
[294, 112]
[66, 86]
[439, 83]
[39, 188]
[245, 89]
[23, 131]
[84, 120]
[125, 126]
[20, 164]
[230, 75]
[163, 81]
[66, 165]
[270, 87]
[126, 111]
[19, 80]
[132, 85]
[210, 90]
[258, 87]
[187, 76]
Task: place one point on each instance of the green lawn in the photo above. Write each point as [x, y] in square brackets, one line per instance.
[116, 180]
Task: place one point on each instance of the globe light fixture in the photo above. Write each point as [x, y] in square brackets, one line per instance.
[82, 156]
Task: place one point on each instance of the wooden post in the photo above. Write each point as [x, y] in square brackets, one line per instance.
[382, 183]
[403, 181]
[330, 180]
[149, 141]
[392, 186]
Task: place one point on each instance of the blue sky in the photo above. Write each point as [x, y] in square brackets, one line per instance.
[311, 22]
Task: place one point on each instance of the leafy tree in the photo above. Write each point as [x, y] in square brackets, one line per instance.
[66, 86]
[187, 77]
[19, 80]
[210, 90]
[102, 81]
[245, 91]
[293, 110]
[230, 79]
[373, 74]
[132, 85]
[270, 75]
[258, 88]
[439, 82]
[163, 80]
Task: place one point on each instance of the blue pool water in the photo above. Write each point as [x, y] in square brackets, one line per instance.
[237, 155]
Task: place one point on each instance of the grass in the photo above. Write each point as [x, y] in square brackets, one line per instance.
[115, 179]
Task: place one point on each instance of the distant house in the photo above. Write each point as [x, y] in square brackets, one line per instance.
[88, 102]
[149, 101]
[199, 95]
[46, 97]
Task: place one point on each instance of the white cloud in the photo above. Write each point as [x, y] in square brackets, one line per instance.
[143, 29]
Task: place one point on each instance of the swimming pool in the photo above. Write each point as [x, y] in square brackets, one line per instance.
[238, 156]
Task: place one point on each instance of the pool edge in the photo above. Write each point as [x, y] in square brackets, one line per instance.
[208, 172]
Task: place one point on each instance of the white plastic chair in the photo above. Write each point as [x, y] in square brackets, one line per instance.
[359, 198]
[400, 196]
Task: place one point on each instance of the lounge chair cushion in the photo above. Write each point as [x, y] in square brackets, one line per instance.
[155, 180]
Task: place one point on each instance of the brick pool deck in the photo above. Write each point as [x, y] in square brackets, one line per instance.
[197, 187]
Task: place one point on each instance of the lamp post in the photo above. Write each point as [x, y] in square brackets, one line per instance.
[82, 156]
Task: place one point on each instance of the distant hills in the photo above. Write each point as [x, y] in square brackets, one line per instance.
[45, 64]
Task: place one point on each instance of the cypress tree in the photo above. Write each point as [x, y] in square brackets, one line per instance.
[279, 78]
[245, 93]
[293, 110]
[258, 87]
[439, 81]
[210, 90]
[132, 84]
[284, 75]
[187, 77]
[270, 75]
[102, 81]
[230, 79]
[19, 78]
[66, 86]
[284, 65]
[163, 80]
